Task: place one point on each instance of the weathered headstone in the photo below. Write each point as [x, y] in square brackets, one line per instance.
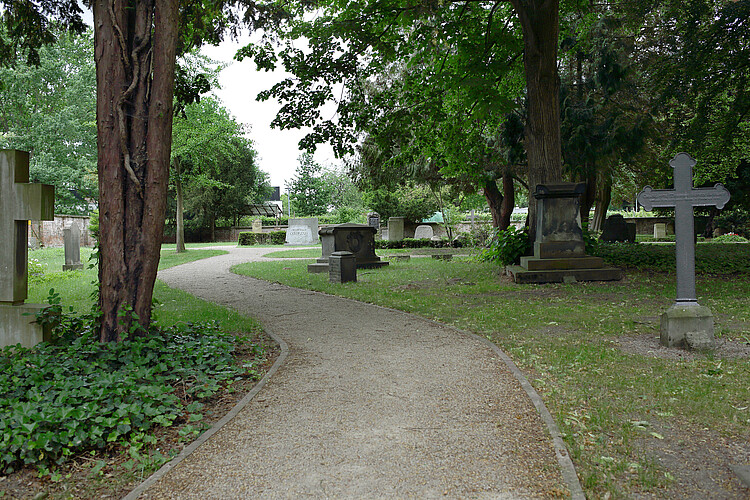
[358, 239]
[686, 323]
[559, 250]
[302, 231]
[20, 202]
[423, 231]
[373, 220]
[72, 243]
[396, 228]
[617, 229]
[342, 267]
[660, 231]
[257, 226]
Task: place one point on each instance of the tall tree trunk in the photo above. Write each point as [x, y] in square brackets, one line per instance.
[540, 24]
[134, 45]
[588, 198]
[603, 199]
[180, 233]
[494, 201]
[509, 200]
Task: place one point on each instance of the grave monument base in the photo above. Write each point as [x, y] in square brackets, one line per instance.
[688, 325]
[72, 267]
[358, 239]
[17, 325]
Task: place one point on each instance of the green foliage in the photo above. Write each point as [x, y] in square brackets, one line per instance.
[506, 246]
[413, 243]
[311, 195]
[735, 221]
[729, 238]
[715, 259]
[272, 238]
[76, 393]
[414, 203]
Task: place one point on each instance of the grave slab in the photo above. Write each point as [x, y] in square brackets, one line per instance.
[423, 231]
[302, 231]
[72, 242]
[396, 228]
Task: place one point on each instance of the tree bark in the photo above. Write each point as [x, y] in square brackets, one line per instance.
[134, 44]
[588, 198]
[180, 231]
[603, 199]
[494, 201]
[540, 24]
[509, 200]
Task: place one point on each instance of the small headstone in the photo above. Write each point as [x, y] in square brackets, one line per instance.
[686, 323]
[396, 228]
[257, 226]
[373, 220]
[72, 242]
[616, 229]
[302, 231]
[660, 231]
[423, 231]
[342, 267]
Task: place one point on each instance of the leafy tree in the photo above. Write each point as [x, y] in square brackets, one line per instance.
[49, 110]
[311, 195]
[415, 203]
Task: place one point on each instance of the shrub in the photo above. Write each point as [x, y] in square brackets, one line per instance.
[272, 238]
[413, 243]
[709, 258]
[506, 246]
[735, 221]
[729, 238]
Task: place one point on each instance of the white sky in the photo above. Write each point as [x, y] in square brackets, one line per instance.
[240, 84]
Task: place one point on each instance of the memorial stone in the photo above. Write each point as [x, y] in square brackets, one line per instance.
[257, 226]
[660, 231]
[342, 267]
[373, 220]
[686, 323]
[72, 243]
[358, 239]
[20, 202]
[423, 232]
[617, 229]
[396, 228]
[302, 231]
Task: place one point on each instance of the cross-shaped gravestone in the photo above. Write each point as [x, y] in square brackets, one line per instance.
[19, 203]
[686, 321]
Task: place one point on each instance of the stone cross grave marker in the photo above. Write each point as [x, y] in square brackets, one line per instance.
[686, 322]
[20, 202]
[72, 242]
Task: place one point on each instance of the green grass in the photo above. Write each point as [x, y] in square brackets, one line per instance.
[566, 339]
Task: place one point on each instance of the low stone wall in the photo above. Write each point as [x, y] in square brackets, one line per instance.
[49, 233]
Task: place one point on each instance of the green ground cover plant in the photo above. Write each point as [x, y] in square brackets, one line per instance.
[272, 238]
[637, 420]
[79, 415]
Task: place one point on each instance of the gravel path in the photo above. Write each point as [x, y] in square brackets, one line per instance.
[369, 403]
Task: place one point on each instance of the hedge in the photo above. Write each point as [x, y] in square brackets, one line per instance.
[412, 243]
[272, 238]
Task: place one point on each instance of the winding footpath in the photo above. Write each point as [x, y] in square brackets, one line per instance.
[365, 402]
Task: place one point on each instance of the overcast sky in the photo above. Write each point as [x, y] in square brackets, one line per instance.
[240, 84]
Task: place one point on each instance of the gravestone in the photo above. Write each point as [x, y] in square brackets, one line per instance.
[342, 267]
[257, 226]
[396, 228]
[373, 220]
[686, 323]
[358, 239]
[660, 231]
[559, 250]
[423, 231]
[302, 231]
[72, 243]
[617, 229]
[20, 202]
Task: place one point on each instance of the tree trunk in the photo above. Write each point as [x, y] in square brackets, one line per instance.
[588, 198]
[509, 200]
[710, 226]
[540, 24]
[603, 199]
[135, 60]
[180, 232]
[494, 201]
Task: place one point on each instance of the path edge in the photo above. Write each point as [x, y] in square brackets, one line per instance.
[187, 451]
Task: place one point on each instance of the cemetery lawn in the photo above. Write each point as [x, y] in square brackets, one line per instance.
[126, 461]
[637, 418]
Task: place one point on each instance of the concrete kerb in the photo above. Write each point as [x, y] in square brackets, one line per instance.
[153, 478]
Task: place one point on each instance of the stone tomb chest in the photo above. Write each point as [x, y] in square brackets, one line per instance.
[358, 239]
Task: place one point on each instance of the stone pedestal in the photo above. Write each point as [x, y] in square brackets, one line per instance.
[18, 327]
[559, 250]
[688, 325]
[396, 228]
[342, 267]
[359, 239]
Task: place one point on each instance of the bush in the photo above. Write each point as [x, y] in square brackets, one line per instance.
[709, 258]
[506, 246]
[729, 238]
[735, 221]
[76, 394]
[413, 243]
[272, 238]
